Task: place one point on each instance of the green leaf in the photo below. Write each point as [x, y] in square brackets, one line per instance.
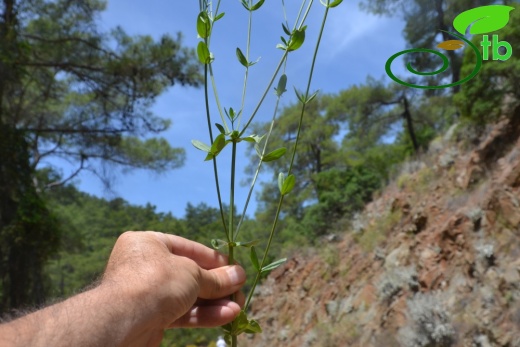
[200, 145]
[281, 179]
[286, 30]
[485, 19]
[218, 144]
[240, 323]
[299, 96]
[248, 243]
[203, 25]
[203, 53]
[241, 58]
[235, 135]
[282, 82]
[246, 5]
[253, 327]
[280, 46]
[297, 39]
[253, 138]
[332, 4]
[251, 63]
[217, 244]
[273, 265]
[288, 184]
[220, 128]
[312, 96]
[231, 114]
[226, 328]
[220, 15]
[254, 259]
[276, 154]
[257, 5]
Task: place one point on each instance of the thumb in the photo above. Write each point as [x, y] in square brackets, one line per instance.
[220, 282]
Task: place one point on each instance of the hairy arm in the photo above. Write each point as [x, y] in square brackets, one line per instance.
[152, 282]
[98, 317]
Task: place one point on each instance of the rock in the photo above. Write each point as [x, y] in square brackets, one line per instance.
[398, 257]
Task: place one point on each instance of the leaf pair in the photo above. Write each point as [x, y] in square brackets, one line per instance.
[295, 41]
[256, 263]
[217, 243]
[286, 184]
[303, 98]
[217, 146]
[240, 325]
[243, 60]
[331, 4]
[253, 7]
[204, 31]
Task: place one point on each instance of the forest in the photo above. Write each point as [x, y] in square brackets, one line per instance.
[70, 91]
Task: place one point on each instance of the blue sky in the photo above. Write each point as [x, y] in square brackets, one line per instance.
[355, 45]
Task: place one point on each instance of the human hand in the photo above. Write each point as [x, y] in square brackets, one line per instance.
[169, 281]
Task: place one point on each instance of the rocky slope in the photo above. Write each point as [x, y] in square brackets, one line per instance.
[433, 261]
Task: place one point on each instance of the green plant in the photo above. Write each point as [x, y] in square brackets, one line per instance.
[232, 131]
[376, 233]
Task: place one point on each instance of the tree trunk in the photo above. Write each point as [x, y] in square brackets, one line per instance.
[409, 124]
[455, 59]
[28, 232]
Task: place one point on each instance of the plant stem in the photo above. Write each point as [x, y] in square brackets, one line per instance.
[262, 263]
[265, 92]
[215, 168]
[232, 199]
[249, 29]
[253, 182]
[278, 209]
[231, 256]
[315, 55]
[203, 7]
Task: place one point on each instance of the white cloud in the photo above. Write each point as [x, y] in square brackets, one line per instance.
[350, 28]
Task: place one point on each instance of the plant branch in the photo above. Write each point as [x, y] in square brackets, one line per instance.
[278, 209]
[249, 28]
[280, 63]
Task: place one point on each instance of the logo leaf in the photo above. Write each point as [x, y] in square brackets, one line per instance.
[485, 19]
[451, 45]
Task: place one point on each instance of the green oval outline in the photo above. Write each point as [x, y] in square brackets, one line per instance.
[445, 65]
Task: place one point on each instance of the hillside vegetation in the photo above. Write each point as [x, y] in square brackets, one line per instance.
[432, 261]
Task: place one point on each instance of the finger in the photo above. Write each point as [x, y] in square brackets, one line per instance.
[219, 313]
[239, 298]
[205, 257]
[218, 283]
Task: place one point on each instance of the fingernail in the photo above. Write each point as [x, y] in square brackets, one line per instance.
[236, 274]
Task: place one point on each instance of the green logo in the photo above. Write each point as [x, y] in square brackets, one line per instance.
[483, 20]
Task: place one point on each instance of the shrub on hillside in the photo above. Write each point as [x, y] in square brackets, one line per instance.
[429, 323]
